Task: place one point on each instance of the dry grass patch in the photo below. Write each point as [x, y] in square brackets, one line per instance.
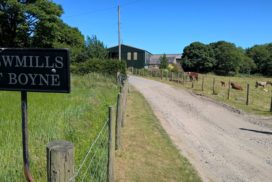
[147, 154]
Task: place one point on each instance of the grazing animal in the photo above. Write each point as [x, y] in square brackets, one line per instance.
[193, 76]
[235, 86]
[223, 84]
[269, 83]
[261, 84]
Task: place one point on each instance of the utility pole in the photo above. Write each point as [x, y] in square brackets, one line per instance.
[119, 36]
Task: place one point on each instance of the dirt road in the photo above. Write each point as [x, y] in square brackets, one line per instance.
[221, 144]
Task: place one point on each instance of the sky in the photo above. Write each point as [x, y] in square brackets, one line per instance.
[167, 26]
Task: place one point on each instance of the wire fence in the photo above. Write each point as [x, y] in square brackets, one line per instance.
[94, 165]
[98, 163]
[258, 99]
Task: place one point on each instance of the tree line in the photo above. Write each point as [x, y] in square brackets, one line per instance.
[225, 58]
[38, 24]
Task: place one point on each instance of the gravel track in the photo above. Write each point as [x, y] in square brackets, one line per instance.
[221, 144]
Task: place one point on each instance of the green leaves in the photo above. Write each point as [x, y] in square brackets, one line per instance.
[164, 62]
[221, 57]
[198, 57]
[33, 23]
[96, 48]
[262, 56]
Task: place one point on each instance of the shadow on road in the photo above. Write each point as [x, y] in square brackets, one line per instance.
[256, 131]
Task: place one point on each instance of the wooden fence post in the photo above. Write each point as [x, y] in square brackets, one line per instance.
[110, 176]
[118, 122]
[172, 76]
[117, 77]
[229, 91]
[247, 97]
[124, 98]
[192, 83]
[271, 103]
[202, 85]
[213, 86]
[60, 161]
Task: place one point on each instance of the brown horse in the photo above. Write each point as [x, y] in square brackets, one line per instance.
[236, 86]
[193, 76]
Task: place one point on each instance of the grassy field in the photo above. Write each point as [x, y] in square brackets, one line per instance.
[147, 154]
[259, 98]
[76, 117]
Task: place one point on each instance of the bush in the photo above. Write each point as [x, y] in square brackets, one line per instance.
[99, 66]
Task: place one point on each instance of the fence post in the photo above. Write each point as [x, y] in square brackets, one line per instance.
[192, 83]
[213, 86]
[202, 85]
[124, 97]
[117, 77]
[229, 91]
[118, 122]
[60, 161]
[110, 176]
[271, 103]
[172, 76]
[247, 97]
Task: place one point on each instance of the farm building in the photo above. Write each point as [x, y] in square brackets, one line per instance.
[140, 58]
[135, 57]
[155, 59]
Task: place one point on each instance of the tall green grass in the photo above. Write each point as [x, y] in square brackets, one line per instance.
[76, 117]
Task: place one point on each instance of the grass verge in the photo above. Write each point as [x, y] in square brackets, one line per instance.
[147, 152]
[76, 117]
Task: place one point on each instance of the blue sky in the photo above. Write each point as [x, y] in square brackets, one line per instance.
[167, 26]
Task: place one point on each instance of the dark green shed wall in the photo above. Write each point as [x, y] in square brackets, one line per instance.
[141, 58]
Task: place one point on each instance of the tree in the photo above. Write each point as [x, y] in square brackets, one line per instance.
[163, 62]
[262, 56]
[248, 65]
[28, 23]
[198, 57]
[68, 37]
[37, 23]
[228, 58]
[96, 48]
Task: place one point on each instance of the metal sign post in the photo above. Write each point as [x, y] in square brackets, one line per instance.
[25, 136]
[33, 70]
